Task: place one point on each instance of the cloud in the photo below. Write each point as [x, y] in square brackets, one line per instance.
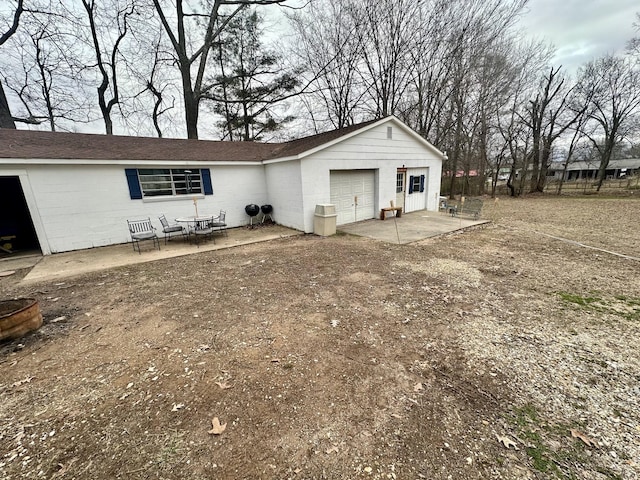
[582, 30]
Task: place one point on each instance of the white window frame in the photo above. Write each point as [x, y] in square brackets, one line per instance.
[176, 183]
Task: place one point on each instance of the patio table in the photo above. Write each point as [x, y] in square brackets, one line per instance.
[193, 219]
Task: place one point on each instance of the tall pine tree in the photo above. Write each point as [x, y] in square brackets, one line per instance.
[251, 84]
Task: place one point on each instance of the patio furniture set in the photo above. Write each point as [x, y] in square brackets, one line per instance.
[193, 228]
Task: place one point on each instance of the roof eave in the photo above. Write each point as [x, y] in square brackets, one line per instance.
[85, 161]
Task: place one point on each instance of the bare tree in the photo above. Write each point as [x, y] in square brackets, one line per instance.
[387, 31]
[41, 76]
[108, 69]
[480, 26]
[611, 85]
[328, 47]
[525, 60]
[6, 120]
[188, 55]
[549, 115]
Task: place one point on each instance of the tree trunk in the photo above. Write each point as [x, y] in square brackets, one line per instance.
[544, 167]
[6, 120]
[190, 104]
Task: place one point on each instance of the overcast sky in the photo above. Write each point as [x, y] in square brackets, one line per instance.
[582, 29]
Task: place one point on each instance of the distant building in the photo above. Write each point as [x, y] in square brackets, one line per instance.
[624, 168]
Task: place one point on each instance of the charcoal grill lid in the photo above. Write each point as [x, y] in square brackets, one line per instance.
[266, 209]
[252, 209]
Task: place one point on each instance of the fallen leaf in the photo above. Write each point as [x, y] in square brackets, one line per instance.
[217, 429]
[587, 441]
[177, 406]
[223, 385]
[506, 441]
[333, 449]
[417, 387]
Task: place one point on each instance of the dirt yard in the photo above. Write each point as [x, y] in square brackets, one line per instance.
[499, 352]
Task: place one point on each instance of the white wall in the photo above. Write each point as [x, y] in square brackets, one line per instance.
[285, 193]
[369, 150]
[235, 187]
[88, 206]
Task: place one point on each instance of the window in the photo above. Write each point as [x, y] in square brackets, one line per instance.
[389, 133]
[167, 182]
[416, 183]
[399, 182]
[156, 182]
[415, 186]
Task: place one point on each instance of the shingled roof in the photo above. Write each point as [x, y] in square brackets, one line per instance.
[31, 144]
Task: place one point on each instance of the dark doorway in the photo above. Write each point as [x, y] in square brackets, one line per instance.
[17, 234]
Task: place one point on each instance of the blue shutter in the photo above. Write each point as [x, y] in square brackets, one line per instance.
[134, 184]
[422, 183]
[411, 184]
[205, 174]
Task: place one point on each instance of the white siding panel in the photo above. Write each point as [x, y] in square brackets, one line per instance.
[284, 181]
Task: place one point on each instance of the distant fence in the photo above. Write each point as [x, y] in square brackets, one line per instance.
[590, 186]
[471, 186]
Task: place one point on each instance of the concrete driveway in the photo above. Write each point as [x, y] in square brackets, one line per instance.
[410, 227]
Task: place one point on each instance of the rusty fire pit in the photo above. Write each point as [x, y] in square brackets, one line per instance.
[18, 317]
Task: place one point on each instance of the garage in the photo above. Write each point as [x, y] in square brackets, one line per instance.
[353, 194]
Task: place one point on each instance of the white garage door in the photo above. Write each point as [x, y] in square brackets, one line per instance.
[346, 185]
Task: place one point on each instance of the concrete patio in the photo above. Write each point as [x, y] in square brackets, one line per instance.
[67, 264]
[409, 228]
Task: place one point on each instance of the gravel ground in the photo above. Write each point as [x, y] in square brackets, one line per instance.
[508, 351]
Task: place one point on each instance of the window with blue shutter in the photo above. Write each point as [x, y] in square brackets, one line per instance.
[168, 182]
[421, 183]
[411, 184]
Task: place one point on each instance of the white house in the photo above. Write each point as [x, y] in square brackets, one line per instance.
[68, 191]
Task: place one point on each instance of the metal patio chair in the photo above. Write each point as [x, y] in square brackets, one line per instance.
[170, 230]
[141, 230]
[220, 222]
[201, 230]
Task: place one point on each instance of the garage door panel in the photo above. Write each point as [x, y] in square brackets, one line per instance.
[345, 186]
